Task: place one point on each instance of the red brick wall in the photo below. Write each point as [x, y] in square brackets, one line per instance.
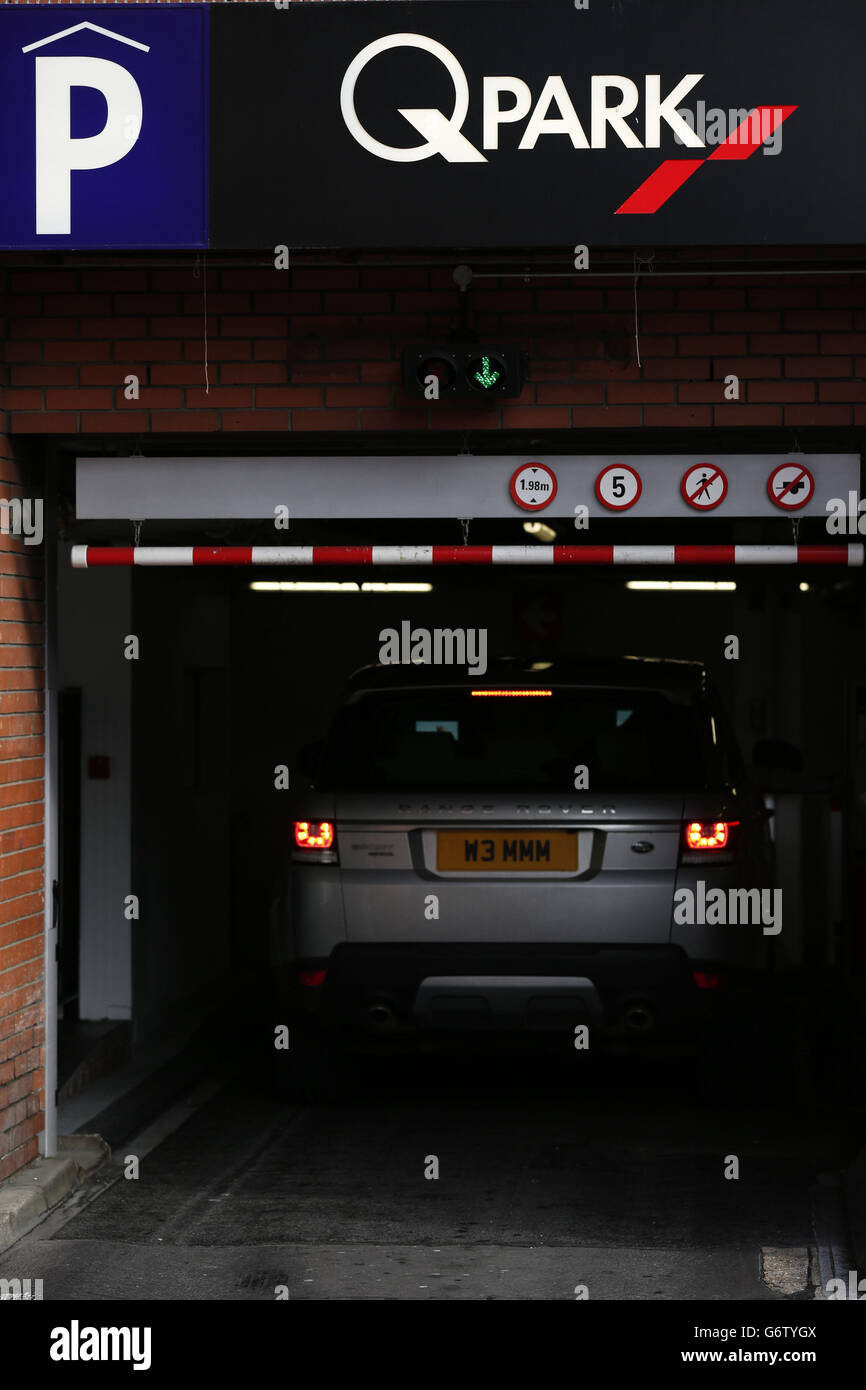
[318, 348]
[22, 752]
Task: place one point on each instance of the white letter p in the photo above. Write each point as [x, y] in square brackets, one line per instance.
[57, 154]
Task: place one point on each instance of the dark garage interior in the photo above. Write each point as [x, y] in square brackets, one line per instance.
[238, 681]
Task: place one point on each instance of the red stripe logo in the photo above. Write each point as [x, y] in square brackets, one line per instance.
[749, 135]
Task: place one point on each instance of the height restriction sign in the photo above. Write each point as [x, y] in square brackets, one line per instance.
[533, 486]
[790, 486]
[704, 486]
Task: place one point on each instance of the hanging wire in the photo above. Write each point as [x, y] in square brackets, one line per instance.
[640, 262]
[201, 261]
[636, 332]
[795, 520]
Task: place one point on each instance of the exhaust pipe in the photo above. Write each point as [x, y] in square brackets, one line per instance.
[380, 1013]
[638, 1018]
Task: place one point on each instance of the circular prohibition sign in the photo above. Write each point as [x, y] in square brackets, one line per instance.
[533, 486]
[699, 485]
[618, 487]
[785, 484]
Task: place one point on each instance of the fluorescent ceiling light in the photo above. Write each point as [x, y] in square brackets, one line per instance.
[335, 586]
[398, 587]
[305, 586]
[683, 585]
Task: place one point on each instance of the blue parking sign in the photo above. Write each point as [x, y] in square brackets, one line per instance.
[103, 126]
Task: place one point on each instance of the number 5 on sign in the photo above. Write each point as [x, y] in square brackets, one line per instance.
[618, 487]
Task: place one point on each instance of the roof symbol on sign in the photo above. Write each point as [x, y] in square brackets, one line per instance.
[86, 24]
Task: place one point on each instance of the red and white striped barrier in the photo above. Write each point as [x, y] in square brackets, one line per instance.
[91, 556]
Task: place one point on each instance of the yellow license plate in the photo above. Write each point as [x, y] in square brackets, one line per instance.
[507, 851]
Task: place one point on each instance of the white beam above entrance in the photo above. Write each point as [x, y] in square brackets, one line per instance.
[462, 485]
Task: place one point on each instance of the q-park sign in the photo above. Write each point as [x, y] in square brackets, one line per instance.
[449, 123]
[476, 123]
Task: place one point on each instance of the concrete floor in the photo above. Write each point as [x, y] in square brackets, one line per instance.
[552, 1177]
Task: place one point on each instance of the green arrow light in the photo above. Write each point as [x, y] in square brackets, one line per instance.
[485, 375]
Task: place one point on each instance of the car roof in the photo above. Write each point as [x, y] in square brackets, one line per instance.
[638, 672]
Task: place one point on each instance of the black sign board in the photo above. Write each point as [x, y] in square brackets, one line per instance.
[478, 123]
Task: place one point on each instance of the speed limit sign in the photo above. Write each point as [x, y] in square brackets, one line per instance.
[618, 487]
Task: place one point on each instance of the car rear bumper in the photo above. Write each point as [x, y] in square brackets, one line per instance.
[430, 987]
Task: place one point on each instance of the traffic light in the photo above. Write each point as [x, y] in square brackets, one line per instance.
[462, 371]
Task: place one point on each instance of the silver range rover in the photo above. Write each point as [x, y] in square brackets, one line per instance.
[528, 853]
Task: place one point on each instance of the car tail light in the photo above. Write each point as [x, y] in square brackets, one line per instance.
[705, 841]
[705, 980]
[314, 834]
[509, 694]
[708, 835]
[312, 979]
[315, 841]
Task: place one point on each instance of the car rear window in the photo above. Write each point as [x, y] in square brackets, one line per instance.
[433, 739]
